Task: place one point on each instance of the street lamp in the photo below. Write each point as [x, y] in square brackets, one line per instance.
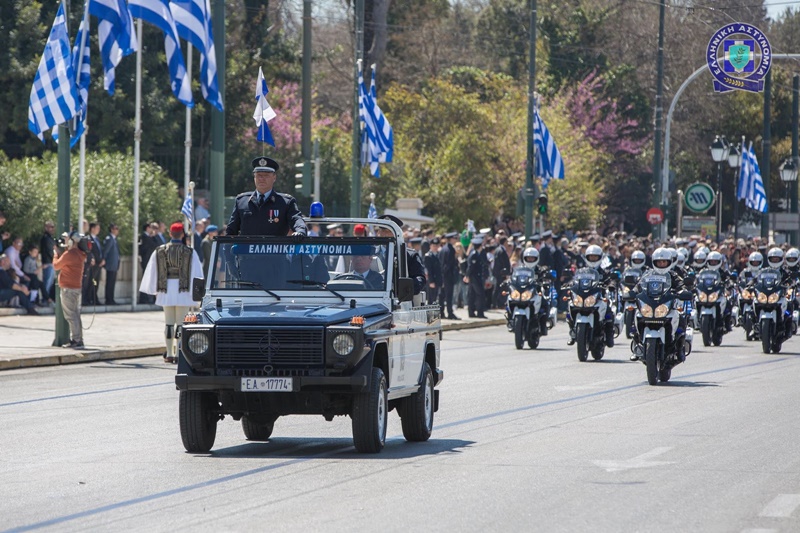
[788, 170]
[734, 161]
[719, 153]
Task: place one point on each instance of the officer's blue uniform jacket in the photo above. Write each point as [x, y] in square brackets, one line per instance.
[278, 216]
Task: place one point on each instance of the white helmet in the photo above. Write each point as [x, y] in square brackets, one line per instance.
[662, 260]
[792, 257]
[755, 262]
[638, 258]
[705, 250]
[775, 258]
[593, 256]
[714, 261]
[530, 257]
[683, 255]
[699, 260]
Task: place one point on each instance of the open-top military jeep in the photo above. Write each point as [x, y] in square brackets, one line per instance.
[329, 326]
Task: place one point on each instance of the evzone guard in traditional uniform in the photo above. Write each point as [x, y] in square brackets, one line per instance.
[168, 276]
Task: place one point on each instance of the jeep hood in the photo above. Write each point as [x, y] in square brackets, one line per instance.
[289, 313]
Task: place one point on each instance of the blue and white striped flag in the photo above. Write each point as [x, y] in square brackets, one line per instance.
[193, 21]
[54, 97]
[549, 164]
[372, 213]
[187, 209]
[751, 185]
[264, 112]
[80, 62]
[377, 137]
[157, 13]
[116, 33]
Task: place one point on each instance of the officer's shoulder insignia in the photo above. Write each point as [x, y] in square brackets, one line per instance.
[242, 195]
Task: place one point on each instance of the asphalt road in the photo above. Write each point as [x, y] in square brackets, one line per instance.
[523, 441]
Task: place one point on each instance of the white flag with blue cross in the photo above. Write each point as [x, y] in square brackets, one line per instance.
[264, 112]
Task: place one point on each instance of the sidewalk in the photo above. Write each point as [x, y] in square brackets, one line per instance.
[25, 341]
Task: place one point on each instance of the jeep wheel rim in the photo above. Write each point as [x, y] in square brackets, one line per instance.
[382, 414]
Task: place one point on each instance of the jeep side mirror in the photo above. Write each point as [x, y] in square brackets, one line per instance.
[404, 288]
[198, 289]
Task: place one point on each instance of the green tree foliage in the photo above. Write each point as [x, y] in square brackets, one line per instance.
[30, 189]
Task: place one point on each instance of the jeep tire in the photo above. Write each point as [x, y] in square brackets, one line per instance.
[258, 431]
[370, 410]
[416, 412]
[198, 420]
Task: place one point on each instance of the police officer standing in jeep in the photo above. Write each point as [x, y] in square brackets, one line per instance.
[265, 211]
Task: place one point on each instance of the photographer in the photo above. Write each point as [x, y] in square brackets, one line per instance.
[69, 266]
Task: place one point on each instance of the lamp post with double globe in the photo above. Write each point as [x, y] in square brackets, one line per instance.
[719, 153]
[788, 172]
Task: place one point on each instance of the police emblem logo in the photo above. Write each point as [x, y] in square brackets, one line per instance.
[739, 57]
[262, 162]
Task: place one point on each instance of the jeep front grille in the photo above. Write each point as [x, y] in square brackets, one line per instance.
[279, 347]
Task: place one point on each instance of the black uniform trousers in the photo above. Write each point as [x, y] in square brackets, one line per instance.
[476, 298]
[446, 298]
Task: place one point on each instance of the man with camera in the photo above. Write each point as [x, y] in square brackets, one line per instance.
[69, 266]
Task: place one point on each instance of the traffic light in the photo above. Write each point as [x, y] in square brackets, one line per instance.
[542, 204]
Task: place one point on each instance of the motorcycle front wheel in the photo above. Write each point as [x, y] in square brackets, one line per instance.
[651, 361]
[520, 324]
[583, 337]
[767, 332]
[706, 330]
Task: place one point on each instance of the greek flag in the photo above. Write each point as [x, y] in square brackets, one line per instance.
[116, 33]
[187, 210]
[54, 97]
[193, 21]
[377, 137]
[548, 162]
[157, 13]
[264, 112]
[751, 185]
[81, 63]
[372, 213]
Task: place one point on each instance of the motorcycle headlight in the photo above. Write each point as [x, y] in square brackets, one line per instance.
[625, 292]
[762, 298]
[703, 297]
[590, 301]
[577, 301]
[774, 297]
[198, 342]
[343, 344]
[514, 295]
[747, 295]
[713, 297]
[526, 296]
[646, 310]
[662, 311]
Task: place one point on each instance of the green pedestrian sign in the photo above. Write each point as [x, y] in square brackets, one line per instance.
[699, 197]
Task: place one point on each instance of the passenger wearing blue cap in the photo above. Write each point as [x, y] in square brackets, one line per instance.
[265, 211]
[211, 232]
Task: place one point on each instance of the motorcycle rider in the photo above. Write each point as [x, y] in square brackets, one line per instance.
[754, 263]
[776, 259]
[530, 260]
[663, 264]
[592, 258]
[715, 262]
[638, 260]
[699, 260]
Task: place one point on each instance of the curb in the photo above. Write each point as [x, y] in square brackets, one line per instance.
[91, 356]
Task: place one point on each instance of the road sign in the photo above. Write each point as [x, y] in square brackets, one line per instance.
[699, 197]
[706, 226]
[655, 216]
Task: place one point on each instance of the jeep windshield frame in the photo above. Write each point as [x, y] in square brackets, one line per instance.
[340, 266]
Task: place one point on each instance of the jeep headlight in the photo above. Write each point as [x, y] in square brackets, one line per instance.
[713, 297]
[514, 295]
[774, 297]
[646, 310]
[590, 300]
[577, 301]
[526, 296]
[343, 344]
[662, 311]
[762, 298]
[198, 342]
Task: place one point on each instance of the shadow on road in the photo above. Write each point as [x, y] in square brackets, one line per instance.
[339, 448]
[120, 365]
[689, 384]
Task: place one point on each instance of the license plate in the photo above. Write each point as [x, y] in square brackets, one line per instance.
[266, 384]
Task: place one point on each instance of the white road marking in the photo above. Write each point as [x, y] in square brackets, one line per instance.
[590, 386]
[641, 461]
[782, 506]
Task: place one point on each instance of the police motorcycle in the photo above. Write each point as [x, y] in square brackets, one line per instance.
[660, 327]
[528, 310]
[792, 265]
[590, 312]
[774, 324]
[747, 316]
[712, 301]
[627, 294]
[698, 264]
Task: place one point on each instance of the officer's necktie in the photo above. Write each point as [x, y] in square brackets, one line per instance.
[260, 200]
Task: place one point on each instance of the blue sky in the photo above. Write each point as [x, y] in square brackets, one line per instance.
[776, 7]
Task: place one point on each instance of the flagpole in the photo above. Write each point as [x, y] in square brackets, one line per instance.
[736, 194]
[187, 143]
[82, 165]
[190, 233]
[137, 139]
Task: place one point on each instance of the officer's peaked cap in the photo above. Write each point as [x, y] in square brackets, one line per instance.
[265, 164]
